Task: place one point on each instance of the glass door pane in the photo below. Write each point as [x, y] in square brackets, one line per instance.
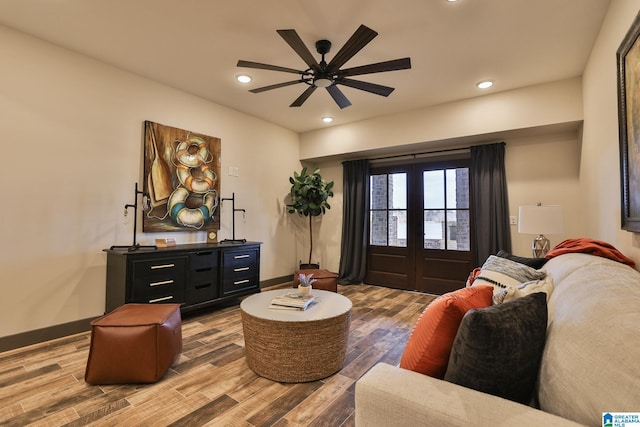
[388, 210]
[434, 233]
[433, 185]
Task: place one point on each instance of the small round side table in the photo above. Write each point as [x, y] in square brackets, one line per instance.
[295, 346]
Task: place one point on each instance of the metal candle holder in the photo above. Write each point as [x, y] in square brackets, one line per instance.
[135, 246]
[233, 220]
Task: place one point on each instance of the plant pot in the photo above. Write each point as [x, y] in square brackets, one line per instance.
[304, 290]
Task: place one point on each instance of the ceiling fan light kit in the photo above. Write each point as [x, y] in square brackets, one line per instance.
[329, 75]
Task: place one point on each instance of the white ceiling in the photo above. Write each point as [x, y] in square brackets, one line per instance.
[194, 45]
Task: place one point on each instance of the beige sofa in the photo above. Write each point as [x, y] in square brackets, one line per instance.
[590, 364]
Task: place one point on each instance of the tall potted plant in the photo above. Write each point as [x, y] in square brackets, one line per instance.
[309, 195]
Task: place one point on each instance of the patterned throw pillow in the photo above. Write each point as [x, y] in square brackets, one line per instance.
[498, 349]
[503, 273]
[429, 345]
[509, 294]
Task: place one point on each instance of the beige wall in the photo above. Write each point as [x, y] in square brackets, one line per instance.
[600, 169]
[327, 248]
[478, 119]
[72, 149]
[544, 169]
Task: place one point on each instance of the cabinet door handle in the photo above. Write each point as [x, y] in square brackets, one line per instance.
[164, 282]
[241, 282]
[155, 267]
[241, 256]
[151, 301]
[240, 269]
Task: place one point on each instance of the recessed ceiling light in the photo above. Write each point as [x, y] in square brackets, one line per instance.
[243, 78]
[484, 84]
[327, 119]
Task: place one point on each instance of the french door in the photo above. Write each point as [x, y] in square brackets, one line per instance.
[420, 230]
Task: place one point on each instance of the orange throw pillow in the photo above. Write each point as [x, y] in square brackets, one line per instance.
[430, 343]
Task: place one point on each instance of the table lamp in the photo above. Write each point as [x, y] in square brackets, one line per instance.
[540, 220]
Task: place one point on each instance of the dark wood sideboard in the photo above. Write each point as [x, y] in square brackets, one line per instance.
[195, 275]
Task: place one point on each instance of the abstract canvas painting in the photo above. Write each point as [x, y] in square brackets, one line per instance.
[181, 178]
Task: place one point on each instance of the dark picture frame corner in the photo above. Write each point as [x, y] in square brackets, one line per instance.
[628, 67]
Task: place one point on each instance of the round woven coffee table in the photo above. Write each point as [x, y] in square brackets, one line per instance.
[293, 346]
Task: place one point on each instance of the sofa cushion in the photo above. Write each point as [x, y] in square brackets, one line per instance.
[590, 362]
[429, 345]
[497, 349]
[503, 273]
[536, 263]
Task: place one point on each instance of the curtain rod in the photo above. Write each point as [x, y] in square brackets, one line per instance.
[444, 150]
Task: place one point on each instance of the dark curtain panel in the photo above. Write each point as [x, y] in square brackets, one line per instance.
[355, 222]
[491, 207]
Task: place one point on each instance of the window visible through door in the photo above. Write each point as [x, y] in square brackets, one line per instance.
[447, 223]
[388, 210]
[420, 226]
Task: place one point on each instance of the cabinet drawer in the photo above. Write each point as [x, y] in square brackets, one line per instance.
[176, 297]
[239, 261]
[201, 292]
[232, 286]
[203, 260]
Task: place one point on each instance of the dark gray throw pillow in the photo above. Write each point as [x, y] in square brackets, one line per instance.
[536, 263]
[498, 349]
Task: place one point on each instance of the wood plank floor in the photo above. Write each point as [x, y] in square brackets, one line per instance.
[210, 384]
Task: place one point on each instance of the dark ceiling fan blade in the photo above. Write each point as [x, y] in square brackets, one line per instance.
[251, 64]
[306, 94]
[378, 67]
[296, 43]
[338, 96]
[366, 86]
[275, 86]
[358, 40]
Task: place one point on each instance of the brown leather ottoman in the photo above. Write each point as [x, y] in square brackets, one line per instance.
[135, 343]
[327, 281]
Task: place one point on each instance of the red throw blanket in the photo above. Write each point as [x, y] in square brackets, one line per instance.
[590, 246]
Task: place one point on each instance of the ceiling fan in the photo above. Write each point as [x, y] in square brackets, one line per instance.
[329, 75]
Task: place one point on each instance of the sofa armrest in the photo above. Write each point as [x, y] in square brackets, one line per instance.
[388, 395]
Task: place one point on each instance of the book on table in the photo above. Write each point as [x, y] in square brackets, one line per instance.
[292, 301]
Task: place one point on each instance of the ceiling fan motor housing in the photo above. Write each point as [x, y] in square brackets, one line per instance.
[323, 47]
[322, 77]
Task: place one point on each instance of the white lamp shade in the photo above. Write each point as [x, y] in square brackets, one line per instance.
[540, 219]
